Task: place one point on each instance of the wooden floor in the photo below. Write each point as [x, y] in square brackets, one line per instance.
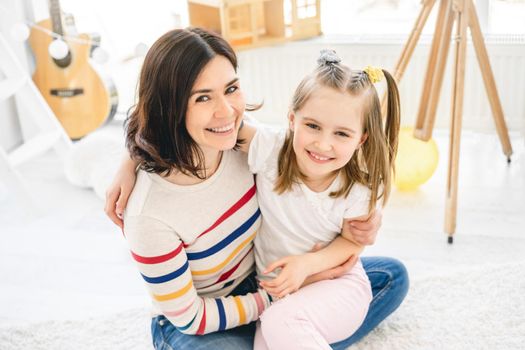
[67, 261]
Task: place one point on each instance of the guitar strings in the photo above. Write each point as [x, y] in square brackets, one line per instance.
[58, 36]
[47, 31]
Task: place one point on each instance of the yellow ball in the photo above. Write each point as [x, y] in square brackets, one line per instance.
[416, 160]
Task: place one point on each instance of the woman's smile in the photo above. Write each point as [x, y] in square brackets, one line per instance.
[225, 130]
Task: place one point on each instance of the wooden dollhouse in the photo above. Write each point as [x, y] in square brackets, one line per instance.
[254, 23]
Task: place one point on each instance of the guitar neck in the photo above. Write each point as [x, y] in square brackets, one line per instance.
[56, 16]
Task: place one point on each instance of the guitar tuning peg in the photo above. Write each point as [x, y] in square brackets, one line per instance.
[100, 55]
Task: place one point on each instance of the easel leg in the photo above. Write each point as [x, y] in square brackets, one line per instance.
[461, 9]
[430, 73]
[437, 82]
[488, 79]
[408, 50]
[409, 47]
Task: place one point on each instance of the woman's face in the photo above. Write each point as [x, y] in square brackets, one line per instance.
[216, 106]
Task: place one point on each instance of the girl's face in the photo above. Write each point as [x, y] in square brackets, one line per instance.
[216, 106]
[327, 131]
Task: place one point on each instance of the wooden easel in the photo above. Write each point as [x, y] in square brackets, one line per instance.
[463, 12]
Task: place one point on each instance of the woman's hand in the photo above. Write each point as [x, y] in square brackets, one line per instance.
[294, 271]
[364, 230]
[118, 192]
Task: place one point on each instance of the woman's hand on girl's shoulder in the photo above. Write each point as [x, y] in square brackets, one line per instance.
[247, 131]
[363, 230]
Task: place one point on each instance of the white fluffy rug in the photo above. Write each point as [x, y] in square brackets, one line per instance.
[479, 308]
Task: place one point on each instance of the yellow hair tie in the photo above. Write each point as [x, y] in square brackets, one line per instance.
[375, 74]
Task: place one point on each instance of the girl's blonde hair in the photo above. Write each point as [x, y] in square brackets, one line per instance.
[373, 163]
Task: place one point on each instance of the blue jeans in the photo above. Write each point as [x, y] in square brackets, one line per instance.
[389, 280]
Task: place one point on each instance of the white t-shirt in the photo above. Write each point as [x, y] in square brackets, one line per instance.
[295, 220]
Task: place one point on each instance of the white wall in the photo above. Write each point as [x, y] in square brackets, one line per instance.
[272, 73]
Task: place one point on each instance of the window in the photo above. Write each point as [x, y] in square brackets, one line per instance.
[364, 17]
[394, 17]
[240, 19]
[306, 9]
[506, 16]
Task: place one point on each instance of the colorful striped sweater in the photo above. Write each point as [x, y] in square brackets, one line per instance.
[194, 244]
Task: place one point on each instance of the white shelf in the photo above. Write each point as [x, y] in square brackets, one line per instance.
[46, 130]
[33, 147]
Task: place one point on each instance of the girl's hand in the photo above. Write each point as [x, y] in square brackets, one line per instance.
[118, 193]
[364, 230]
[294, 271]
[332, 273]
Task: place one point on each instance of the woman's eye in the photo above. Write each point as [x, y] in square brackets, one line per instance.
[232, 89]
[312, 126]
[203, 98]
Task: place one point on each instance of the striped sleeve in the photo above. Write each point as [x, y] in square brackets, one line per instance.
[163, 263]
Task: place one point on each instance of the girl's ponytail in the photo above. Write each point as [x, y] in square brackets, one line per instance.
[393, 117]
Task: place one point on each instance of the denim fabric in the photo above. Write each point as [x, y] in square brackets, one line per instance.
[167, 337]
[389, 280]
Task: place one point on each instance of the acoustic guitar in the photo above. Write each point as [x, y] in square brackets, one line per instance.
[77, 94]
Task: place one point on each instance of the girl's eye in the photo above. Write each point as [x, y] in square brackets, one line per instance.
[312, 126]
[232, 89]
[342, 134]
[203, 98]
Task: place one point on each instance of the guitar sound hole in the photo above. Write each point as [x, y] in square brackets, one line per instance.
[63, 62]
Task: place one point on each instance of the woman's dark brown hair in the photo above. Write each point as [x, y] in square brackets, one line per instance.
[156, 133]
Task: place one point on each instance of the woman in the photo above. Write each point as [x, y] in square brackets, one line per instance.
[193, 213]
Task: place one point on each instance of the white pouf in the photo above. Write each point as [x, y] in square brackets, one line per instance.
[93, 161]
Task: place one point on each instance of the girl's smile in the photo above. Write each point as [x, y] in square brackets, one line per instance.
[318, 158]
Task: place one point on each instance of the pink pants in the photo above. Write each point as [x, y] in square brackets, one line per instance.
[317, 315]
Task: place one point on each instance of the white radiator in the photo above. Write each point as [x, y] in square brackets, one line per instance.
[271, 74]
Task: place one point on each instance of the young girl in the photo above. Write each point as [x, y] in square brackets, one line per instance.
[333, 164]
